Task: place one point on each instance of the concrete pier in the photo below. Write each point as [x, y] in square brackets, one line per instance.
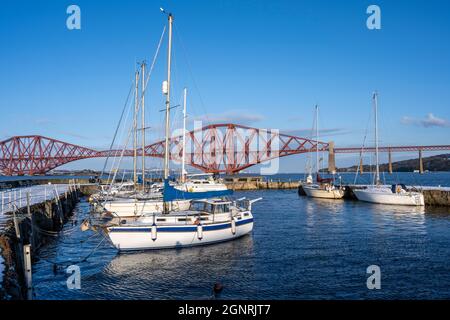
[361, 164]
[420, 162]
[331, 158]
[390, 161]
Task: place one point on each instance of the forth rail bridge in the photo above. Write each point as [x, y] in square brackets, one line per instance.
[218, 148]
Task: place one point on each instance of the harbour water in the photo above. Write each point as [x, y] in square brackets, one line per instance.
[300, 248]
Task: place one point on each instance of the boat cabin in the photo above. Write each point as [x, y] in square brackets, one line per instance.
[211, 206]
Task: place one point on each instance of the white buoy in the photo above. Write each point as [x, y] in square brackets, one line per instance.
[233, 226]
[200, 231]
[154, 232]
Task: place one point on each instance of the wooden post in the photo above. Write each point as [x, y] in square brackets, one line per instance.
[27, 271]
[16, 224]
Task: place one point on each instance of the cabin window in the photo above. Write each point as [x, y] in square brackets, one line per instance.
[201, 206]
[160, 220]
[221, 208]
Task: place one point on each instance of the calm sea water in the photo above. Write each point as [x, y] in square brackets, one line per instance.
[300, 248]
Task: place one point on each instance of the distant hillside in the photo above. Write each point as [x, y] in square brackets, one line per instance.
[434, 163]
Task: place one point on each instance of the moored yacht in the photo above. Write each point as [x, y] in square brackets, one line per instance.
[194, 184]
[324, 188]
[397, 194]
[207, 221]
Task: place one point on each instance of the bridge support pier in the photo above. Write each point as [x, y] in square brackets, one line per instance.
[361, 164]
[420, 162]
[390, 161]
[331, 158]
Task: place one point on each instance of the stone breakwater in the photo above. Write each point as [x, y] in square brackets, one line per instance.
[257, 183]
[34, 225]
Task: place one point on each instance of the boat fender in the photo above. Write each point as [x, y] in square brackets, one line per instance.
[200, 231]
[233, 226]
[154, 232]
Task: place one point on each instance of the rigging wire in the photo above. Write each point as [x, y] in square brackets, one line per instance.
[362, 148]
[189, 67]
[117, 128]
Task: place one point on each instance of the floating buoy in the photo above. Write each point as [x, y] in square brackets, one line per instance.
[200, 231]
[154, 232]
[218, 287]
[233, 226]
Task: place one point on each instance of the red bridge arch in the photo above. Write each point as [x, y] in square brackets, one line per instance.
[218, 148]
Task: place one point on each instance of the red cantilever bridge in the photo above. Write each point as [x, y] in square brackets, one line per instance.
[219, 148]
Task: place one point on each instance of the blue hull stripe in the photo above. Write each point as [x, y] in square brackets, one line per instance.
[182, 228]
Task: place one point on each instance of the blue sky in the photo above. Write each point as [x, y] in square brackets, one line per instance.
[260, 63]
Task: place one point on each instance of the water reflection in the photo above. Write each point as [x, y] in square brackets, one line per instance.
[211, 257]
[187, 273]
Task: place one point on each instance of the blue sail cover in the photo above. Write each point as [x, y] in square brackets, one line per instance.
[171, 193]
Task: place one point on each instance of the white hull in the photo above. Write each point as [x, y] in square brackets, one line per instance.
[315, 192]
[204, 186]
[140, 238]
[405, 199]
[129, 208]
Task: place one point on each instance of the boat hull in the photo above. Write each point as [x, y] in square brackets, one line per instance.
[407, 199]
[129, 208]
[140, 238]
[322, 193]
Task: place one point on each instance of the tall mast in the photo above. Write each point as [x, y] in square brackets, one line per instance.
[183, 171]
[317, 138]
[377, 173]
[136, 103]
[169, 58]
[143, 124]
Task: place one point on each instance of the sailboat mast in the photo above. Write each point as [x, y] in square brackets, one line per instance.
[169, 58]
[143, 124]
[136, 89]
[183, 163]
[317, 138]
[377, 173]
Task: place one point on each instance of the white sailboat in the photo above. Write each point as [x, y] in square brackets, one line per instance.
[397, 194]
[324, 188]
[147, 201]
[193, 182]
[207, 221]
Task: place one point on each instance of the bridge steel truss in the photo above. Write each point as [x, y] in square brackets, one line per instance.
[219, 148]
